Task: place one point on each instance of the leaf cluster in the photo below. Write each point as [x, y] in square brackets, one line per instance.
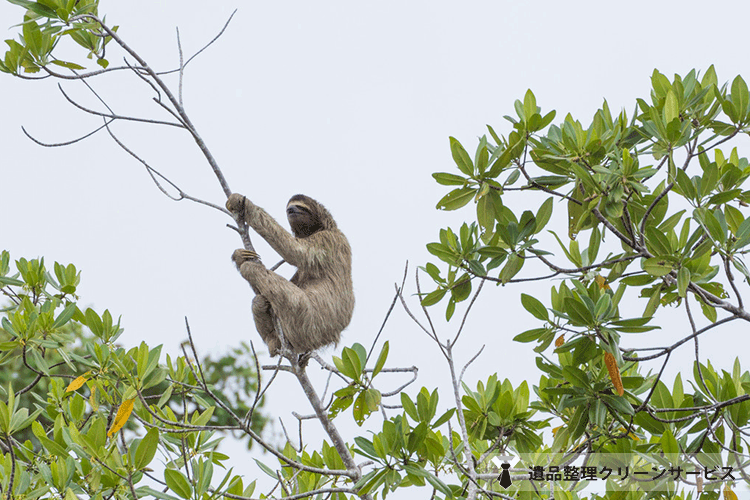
[91, 415]
[45, 23]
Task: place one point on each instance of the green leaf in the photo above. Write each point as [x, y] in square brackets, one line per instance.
[436, 483]
[686, 185]
[656, 266]
[443, 418]
[576, 377]
[578, 422]
[594, 242]
[487, 209]
[658, 242]
[147, 449]
[449, 179]
[409, 407]
[709, 180]
[683, 280]
[724, 197]
[36, 8]
[578, 313]
[743, 234]
[360, 410]
[511, 268]
[660, 83]
[462, 289]
[344, 365]
[711, 224]
[144, 491]
[351, 357]
[543, 214]
[64, 316]
[618, 403]
[734, 218]
[633, 325]
[461, 157]
[638, 280]
[535, 307]
[671, 109]
[551, 181]
[178, 483]
[709, 312]
[456, 198]
[482, 156]
[529, 104]
[443, 252]
[94, 322]
[740, 98]
[530, 335]
[434, 297]
[669, 443]
[372, 399]
[381, 359]
[547, 119]
[66, 64]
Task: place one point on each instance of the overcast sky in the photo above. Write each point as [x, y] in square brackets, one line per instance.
[349, 102]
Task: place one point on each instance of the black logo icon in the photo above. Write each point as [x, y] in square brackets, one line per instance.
[504, 462]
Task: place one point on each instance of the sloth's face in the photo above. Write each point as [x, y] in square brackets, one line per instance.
[301, 219]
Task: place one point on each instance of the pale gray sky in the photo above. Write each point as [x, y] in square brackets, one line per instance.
[349, 102]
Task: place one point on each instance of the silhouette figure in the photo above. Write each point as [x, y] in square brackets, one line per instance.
[505, 479]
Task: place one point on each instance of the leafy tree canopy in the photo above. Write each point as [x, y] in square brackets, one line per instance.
[658, 197]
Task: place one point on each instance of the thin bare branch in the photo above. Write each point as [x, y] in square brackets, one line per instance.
[388, 313]
[155, 173]
[667, 350]
[463, 370]
[209, 43]
[466, 314]
[80, 76]
[424, 309]
[182, 67]
[114, 116]
[411, 315]
[414, 371]
[186, 119]
[67, 143]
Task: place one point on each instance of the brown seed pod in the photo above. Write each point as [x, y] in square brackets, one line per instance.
[614, 372]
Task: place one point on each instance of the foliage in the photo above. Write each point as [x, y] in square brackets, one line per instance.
[34, 48]
[86, 416]
[663, 211]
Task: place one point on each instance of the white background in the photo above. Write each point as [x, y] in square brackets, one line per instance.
[351, 103]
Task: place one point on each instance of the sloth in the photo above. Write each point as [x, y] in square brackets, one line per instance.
[316, 305]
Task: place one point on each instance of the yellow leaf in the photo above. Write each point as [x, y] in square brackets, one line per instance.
[602, 282]
[77, 383]
[560, 340]
[92, 399]
[729, 494]
[614, 372]
[554, 431]
[123, 413]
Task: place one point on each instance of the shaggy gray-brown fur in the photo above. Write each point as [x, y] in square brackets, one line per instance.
[314, 306]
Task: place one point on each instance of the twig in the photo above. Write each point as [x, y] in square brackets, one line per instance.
[114, 116]
[466, 314]
[67, 143]
[182, 67]
[388, 313]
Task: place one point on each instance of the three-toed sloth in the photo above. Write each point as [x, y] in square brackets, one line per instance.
[314, 306]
